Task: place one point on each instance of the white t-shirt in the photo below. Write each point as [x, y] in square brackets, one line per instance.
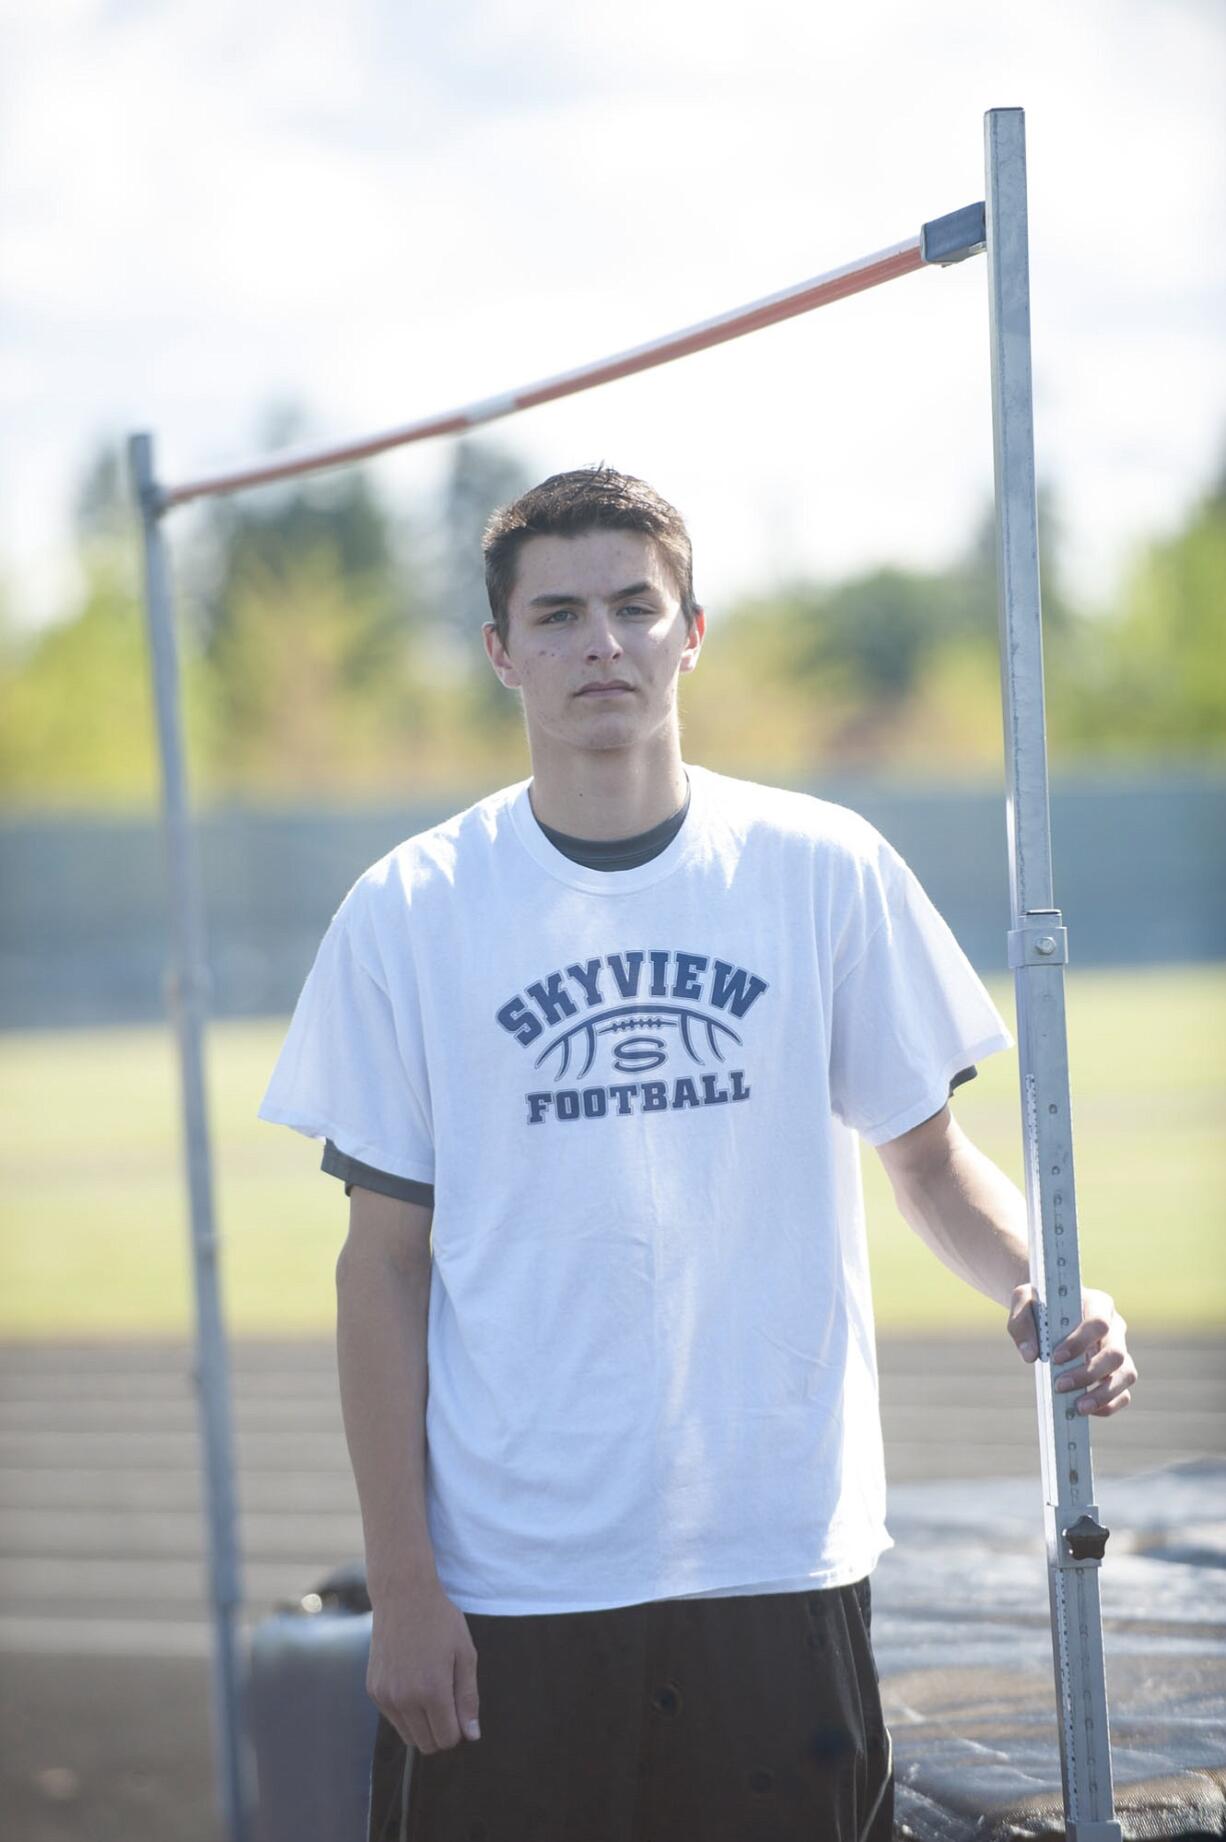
[637, 1094]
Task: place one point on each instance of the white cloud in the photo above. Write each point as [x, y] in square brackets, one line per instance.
[386, 212]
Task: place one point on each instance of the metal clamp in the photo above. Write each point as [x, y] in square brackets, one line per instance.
[1086, 1539]
[950, 239]
[1041, 940]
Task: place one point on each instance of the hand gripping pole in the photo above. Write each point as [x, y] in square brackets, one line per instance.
[1038, 952]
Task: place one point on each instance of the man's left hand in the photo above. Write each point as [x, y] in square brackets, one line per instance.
[1095, 1352]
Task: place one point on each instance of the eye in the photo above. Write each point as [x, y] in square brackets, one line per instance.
[635, 608]
[556, 615]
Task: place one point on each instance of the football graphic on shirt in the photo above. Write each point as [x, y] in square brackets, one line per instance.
[601, 1032]
[637, 1041]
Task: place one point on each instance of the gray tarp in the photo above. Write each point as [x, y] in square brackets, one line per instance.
[963, 1646]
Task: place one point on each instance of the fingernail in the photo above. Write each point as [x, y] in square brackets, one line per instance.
[1030, 1351]
[473, 1730]
[1085, 1404]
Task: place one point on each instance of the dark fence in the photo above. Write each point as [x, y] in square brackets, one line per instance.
[1140, 873]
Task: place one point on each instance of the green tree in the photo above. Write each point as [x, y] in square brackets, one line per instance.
[891, 668]
[312, 686]
[76, 718]
[263, 533]
[76, 707]
[973, 576]
[1151, 679]
[308, 622]
[481, 476]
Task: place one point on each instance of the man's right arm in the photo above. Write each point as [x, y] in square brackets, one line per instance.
[423, 1664]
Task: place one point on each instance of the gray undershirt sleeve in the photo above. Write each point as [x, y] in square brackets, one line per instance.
[351, 1171]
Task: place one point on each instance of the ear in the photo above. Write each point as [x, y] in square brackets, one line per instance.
[694, 635]
[499, 657]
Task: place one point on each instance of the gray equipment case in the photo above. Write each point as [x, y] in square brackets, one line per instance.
[311, 1722]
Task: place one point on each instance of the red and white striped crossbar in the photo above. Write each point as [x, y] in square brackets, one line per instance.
[852, 278]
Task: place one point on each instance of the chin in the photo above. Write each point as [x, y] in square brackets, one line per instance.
[609, 728]
[608, 737]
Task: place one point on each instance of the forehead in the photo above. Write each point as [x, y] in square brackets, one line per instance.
[591, 564]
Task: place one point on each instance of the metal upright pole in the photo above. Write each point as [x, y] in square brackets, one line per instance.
[1038, 952]
[187, 990]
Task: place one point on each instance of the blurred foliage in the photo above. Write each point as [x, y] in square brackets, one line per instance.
[76, 723]
[893, 670]
[265, 537]
[481, 477]
[329, 654]
[1152, 681]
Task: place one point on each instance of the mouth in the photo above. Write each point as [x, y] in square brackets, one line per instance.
[616, 687]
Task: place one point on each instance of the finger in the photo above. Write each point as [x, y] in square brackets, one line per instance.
[1087, 1336]
[413, 1727]
[384, 1700]
[1109, 1407]
[1022, 1326]
[418, 1737]
[1099, 1394]
[418, 1722]
[1090, 1371]
[466, 1695]
[1111, 1393]
[411, 1731]
[440, 1711]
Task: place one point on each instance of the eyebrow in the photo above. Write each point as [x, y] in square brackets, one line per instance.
[622, 594]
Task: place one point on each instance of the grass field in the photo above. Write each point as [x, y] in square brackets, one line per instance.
[94, 1224]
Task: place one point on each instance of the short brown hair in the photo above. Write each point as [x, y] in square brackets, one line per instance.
[568, 504]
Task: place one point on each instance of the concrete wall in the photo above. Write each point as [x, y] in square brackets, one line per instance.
[1140, 873]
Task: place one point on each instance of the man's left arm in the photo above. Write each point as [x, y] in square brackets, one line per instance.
[974, 1219]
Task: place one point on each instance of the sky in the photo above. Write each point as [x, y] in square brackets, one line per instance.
[380, 210]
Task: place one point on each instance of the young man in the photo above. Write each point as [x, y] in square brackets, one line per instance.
[592, 1058]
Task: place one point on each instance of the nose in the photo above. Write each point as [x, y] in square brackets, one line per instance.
[602, 640]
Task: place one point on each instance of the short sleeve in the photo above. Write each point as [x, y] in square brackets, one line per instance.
[356, 1175]
[350, 1069]
[909, 1012]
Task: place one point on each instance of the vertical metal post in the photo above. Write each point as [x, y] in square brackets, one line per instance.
[187, 987]
[1038, 953]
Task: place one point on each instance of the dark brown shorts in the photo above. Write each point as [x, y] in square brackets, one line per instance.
[750, 1719]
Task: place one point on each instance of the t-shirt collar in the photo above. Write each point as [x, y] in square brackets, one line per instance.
[612, 882]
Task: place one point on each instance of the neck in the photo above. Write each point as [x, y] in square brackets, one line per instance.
[609, 793]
